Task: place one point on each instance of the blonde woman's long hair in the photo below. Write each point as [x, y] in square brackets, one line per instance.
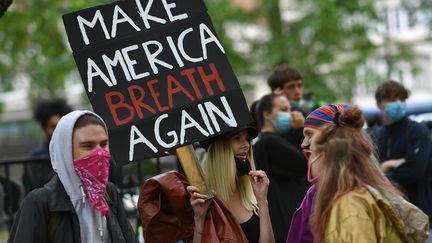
[221, 174]
[347, 162]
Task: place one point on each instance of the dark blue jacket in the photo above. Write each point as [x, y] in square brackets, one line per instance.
[39, 173]
[410, 140]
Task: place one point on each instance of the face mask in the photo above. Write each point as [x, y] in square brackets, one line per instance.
[93, 171]
[395, 111]
[243, 167]
[310, 177]
[296, 106]
[310, 105]
[283, 122]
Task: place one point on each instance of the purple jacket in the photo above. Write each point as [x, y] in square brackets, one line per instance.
[300, 231]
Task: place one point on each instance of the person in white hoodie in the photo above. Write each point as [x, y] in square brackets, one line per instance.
[77, 204]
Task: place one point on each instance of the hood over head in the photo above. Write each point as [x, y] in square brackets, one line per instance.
[92, 222]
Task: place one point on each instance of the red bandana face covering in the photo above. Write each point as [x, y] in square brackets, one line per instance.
[93, 171]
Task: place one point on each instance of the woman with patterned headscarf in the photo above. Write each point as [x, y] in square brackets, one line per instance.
[300, 230]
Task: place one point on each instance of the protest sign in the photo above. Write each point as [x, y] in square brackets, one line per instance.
[156, 72]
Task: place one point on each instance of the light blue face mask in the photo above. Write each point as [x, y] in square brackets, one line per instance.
[395, 111]
[296, 106]
[283, 122]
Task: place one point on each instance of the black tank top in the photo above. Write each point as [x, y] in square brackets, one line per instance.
[251, 228]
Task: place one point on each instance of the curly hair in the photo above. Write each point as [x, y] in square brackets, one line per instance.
[391, 91]
[282, 74]
[44, 109]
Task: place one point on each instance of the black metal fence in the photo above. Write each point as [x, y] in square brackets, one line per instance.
[14, 191]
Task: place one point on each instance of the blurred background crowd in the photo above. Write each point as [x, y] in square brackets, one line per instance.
[343, 49]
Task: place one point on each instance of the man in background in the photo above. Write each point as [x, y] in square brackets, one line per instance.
[288, 81]
[403, 146]
[47, 113]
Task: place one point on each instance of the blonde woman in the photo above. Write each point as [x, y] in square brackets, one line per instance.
[354, 202]
[230, 171]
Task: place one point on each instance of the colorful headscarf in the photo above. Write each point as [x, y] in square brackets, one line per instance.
[323, 115]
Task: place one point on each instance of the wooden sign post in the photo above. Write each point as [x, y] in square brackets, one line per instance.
[190, 165]
[156, 72]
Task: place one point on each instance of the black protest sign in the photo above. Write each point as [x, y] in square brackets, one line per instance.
[156, 72]
[96, 25]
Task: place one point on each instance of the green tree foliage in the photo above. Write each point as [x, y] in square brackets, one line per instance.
[327, 42]
[33, 43]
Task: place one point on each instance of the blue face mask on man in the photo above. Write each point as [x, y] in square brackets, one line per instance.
[283, 122]
[297, 106]
[395, 111]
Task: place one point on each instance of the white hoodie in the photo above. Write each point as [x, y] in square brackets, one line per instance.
[93, 225]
